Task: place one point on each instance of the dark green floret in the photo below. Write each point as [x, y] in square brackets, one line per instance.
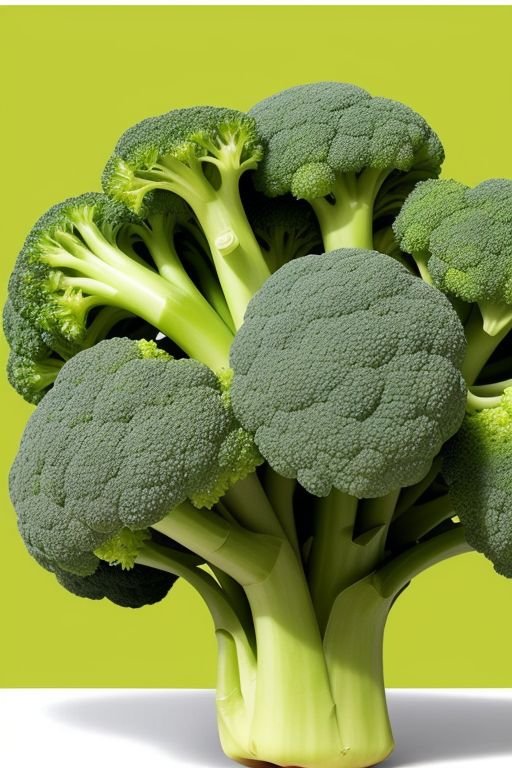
[462, 238]
[125, 435]
[199, 154]
[478, 467]
[128, 588]
[353, 157]
[346, 371]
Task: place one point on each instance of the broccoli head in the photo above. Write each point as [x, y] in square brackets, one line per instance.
[198, 154]
[345, 152]
[346, 371]
[90, 262]
[125, 435]
[463, 238]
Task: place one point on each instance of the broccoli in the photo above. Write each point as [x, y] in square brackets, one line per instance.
[198, 154]
[477, 466]
[72, 283]
[461, 239]
[354, 158]
[237, 392]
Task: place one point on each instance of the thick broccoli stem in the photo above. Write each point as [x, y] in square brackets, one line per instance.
[353, 651]
[294, 721]
[348, 544]
[347, 222]
[353, 646]
[112, 278]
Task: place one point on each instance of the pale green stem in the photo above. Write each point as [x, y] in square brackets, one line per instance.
[476, 403]
[245, 556]
[295, 721]
[420, 520]
[280, 491]
[393, 576]
[247, 500]
[489, 390]
[236, 660]
[353, 652]
[333, 557]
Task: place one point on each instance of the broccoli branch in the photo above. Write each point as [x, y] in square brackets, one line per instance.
[346, 221]
[102, 270]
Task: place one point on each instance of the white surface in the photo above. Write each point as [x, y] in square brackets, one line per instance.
[100, 728]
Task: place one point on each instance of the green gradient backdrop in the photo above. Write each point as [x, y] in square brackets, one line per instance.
[73, 80]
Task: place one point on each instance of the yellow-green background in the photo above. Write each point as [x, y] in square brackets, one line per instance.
[73, 80]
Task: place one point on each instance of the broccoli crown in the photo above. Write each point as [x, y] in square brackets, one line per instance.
[477, 465]
[128, 588]
[125, 435]
[312, 132]
[35, 290]
[182, 134]
[345, 370]
[465, 233]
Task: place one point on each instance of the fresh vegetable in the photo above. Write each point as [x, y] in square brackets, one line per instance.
[272, 359]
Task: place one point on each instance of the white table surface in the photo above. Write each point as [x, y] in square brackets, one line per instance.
[134, 728]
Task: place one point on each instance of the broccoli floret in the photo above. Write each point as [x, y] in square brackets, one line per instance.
[128, 588]
[71, 265]
[346, 153]
[463, 238]
[346, 371]
[198, 154]
[32, 365]
[125, 435]
[32, 378]
[477, 464]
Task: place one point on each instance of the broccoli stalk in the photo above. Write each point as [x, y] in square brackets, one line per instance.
[264, 712]
[346, 216]
[99, 273]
